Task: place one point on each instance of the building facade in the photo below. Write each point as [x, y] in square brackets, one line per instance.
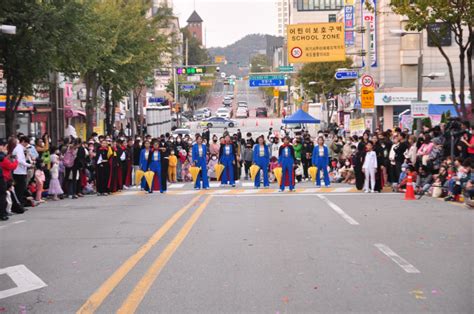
[283, 8]
[394, 67]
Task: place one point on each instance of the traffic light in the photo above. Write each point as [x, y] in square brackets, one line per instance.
[190, 70]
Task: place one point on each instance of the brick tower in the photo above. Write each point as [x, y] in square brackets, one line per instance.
[195, 26]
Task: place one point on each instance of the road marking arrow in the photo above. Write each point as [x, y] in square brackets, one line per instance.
[24, 280]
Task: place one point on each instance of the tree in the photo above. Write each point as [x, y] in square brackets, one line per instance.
[259, 63]
[197, 55]
[323, 82]
[38, 47]
[458, 17]
[133, 46]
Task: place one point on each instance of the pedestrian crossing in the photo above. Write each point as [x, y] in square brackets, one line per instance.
[216, 189]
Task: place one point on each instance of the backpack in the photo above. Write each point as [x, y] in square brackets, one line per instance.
[69, 157]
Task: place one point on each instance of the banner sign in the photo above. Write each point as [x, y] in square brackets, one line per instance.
[370, 16]
[319, 42]
[349, 23]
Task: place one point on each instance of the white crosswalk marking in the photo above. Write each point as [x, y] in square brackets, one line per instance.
[23, 278]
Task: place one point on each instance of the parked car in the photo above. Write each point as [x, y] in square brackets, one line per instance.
[261, 112]
[241, 112]
[227, 102]
[218, 122]
[184, 122]
[188, 114]
[242, 103]
[230, 95]
[181, 132]
[223, 113]
[208, 112]
[200, 114]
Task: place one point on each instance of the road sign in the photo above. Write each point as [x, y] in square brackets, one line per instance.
[276, 93]
[286, 68]
[266, 83]
[219, 59]
[357, 104]
[420, 109]
[346, 75]
[267, 77]
[188, 87]
[367, 80]
[367, 97]
[319, 42]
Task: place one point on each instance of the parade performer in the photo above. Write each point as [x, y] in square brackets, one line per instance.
[154, 164]
[103, 169]
[287, 160]
[227, 158]
[199, 154]
[113, 183]
[127, 172]
[261, 158]
[320, 160]
[144, 155]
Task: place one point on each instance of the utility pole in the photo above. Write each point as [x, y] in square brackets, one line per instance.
[367, 68]
[187, 51]
[419, 94]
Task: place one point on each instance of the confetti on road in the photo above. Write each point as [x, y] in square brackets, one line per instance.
[419, 294]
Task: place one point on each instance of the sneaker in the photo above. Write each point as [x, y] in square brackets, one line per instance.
[233, 185]
[280, 190]
[366, 191]
[318, 186]
[372, 191]
[449, 199]
[5, 218]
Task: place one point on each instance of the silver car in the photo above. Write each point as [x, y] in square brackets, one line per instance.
[218, 122]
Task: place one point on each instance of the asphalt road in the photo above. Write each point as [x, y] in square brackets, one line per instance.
[240, 251]
[254, 99]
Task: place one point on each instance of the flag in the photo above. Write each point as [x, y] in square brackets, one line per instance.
[219, 168]
[254, 169]
[149, 178]
[278, 174]
[312, 172]
[194, 171]
[139, 176]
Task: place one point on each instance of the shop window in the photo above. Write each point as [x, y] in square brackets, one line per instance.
[409, 75]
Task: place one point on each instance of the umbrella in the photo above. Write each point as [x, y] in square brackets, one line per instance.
[312, 172]
[278, 174]
[254, 169]
[194, 171]
[139, 176]
[149, 178]
[219, 168]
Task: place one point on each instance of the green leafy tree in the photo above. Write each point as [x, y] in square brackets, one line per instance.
[259, 63]
[197, 55]
[458, 16]
[318, 79]
[39, 46]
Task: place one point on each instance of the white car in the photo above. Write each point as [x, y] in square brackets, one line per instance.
[207, 111]
[223, 113]
[218, 122]
[241, 112]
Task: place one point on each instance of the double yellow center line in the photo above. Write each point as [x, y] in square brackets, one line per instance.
[138, 293]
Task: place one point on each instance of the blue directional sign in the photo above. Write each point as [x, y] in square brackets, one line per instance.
[188, 87]
[266, 83]
[346, 75]
[357, 104]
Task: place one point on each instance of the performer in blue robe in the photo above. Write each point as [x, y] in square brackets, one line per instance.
[261, 158]
[199, 154]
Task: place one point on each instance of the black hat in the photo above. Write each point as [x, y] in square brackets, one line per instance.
[3, 142]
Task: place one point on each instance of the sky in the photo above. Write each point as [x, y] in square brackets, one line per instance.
[226, 21]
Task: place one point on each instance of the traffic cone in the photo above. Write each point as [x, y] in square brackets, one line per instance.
[410, 192]
[271, 122]
[256, 122]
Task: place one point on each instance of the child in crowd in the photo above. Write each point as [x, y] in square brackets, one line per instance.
[185, 175]
[346, 173]
[172, 167]
[299, 171]
[54, 185]
[370, 168]
[40, 178]
[273, 165]
[211, 171]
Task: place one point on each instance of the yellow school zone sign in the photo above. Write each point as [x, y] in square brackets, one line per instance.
[321, 42]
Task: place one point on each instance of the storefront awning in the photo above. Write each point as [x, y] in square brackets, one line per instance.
[436, 109]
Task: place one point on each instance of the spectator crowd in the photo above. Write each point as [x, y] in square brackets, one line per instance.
[439, 160]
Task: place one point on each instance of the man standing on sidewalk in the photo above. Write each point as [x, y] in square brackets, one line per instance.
[20, 173]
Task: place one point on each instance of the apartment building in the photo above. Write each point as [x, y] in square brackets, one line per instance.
[283, 7]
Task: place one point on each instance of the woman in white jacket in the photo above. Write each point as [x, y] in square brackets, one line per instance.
[369, 168]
